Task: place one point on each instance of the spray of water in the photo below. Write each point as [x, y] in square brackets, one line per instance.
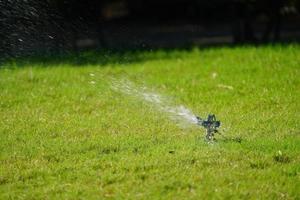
[181, 115]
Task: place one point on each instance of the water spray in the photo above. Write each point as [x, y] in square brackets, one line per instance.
[210, 124]
[183, 116]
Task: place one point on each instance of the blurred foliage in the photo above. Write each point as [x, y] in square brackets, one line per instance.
[60, 20]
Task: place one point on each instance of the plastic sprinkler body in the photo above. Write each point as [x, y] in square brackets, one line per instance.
[210, 124]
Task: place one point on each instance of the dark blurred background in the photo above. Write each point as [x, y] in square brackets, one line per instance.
[55, 26]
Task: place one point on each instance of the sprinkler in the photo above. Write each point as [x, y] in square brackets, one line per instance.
[210, 124]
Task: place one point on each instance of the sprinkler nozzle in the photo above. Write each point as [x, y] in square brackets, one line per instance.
[210, 124]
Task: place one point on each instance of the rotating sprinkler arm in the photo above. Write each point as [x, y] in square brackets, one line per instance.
[210, 124]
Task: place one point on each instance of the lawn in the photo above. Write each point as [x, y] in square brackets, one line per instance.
[65, 134]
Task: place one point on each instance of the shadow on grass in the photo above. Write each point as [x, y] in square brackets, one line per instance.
[230, 139]
[100, 58]
[112, 57]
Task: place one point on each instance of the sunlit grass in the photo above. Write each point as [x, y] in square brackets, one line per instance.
[66, 134]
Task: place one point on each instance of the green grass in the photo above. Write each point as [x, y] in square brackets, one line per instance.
[65, 138]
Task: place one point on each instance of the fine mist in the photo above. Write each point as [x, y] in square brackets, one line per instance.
[181, 115]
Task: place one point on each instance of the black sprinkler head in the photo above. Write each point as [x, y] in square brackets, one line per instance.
[210, 124]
